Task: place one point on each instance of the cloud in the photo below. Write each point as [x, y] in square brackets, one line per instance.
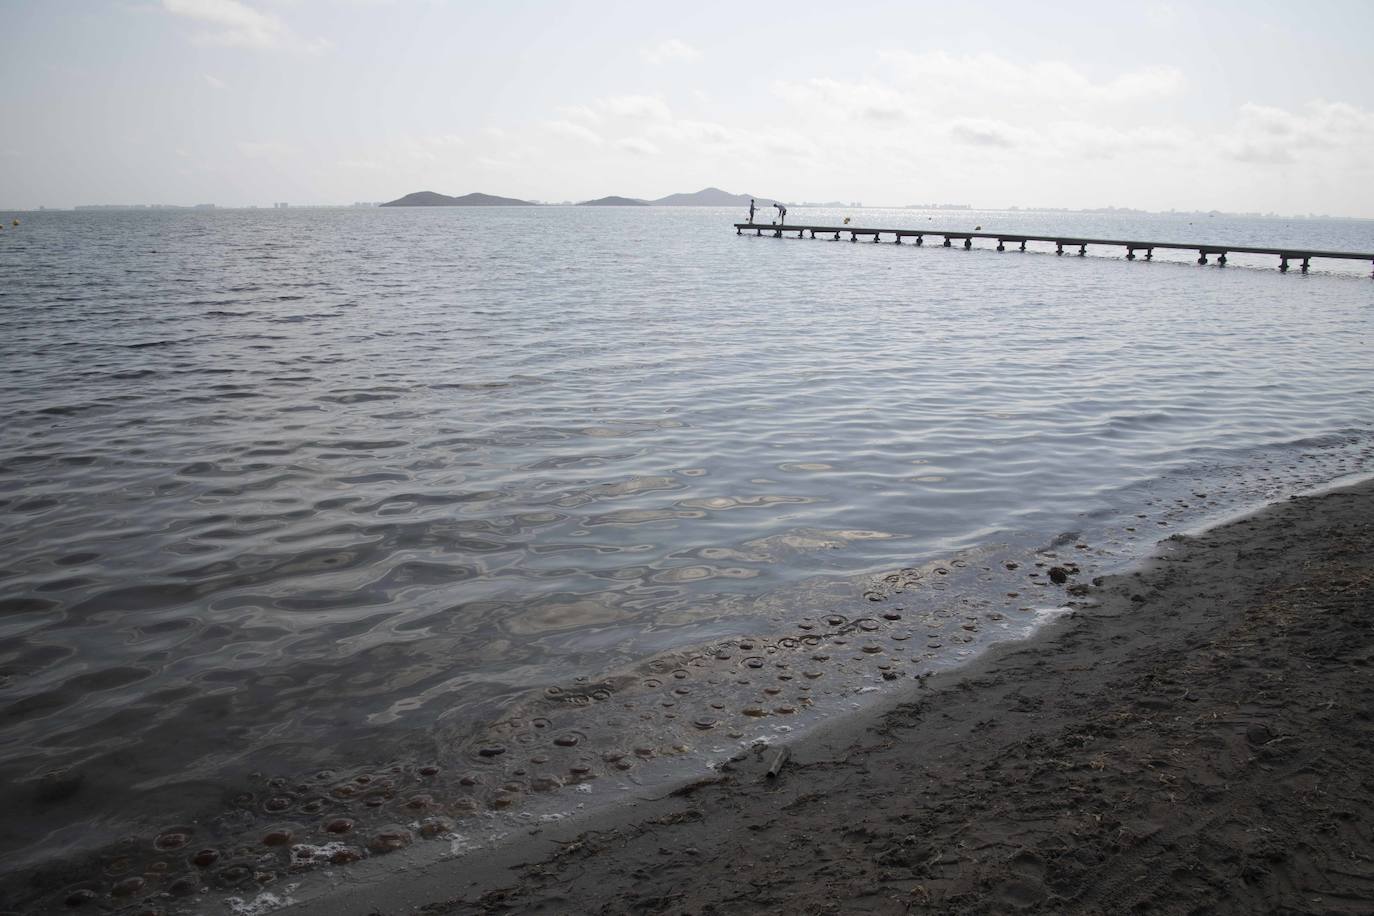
[956, 80]
[426, 149]
[496, 165]
[646, 126]
[669, 51]
[636, 107]
[1160, 14]
[579, 113]
[1155, 82]
[574, 131]
[215, 82]
[985, 132]
[1097, 141]
[638, 146]
[867, 101]
[235, 24]
[1276, 136]
[689, 131]
[945, 105]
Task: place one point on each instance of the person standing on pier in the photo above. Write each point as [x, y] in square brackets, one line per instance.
[751, 210]
[782, 214]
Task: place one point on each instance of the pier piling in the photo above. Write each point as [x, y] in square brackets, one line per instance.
[1285, 255]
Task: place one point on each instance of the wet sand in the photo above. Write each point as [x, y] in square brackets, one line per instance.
[1193, 737]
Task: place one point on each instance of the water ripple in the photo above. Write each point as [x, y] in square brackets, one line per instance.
[367, 514]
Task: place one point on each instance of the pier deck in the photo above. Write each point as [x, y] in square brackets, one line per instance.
[1302, 255]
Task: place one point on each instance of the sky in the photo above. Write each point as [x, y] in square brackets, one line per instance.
[1255, 106]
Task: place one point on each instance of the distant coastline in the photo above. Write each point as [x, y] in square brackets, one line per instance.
[435, 199]
[706, 197]
[614, 201]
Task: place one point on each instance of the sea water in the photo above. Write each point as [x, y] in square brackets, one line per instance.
[316, 519]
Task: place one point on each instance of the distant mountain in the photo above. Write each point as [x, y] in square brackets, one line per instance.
[711, 197]
[706, 197]
[432, 199]
[614, 201]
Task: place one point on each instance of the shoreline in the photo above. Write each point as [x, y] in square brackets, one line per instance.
[1193, 738]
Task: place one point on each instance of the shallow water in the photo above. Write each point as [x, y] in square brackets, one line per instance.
[361, 492]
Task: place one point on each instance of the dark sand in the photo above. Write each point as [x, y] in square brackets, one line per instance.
[1195, 738]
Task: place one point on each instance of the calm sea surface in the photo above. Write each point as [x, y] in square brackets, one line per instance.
[395, 514]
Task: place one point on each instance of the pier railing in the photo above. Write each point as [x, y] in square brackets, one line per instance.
[1061, 242]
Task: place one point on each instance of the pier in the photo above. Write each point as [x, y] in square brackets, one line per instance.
[1303, 257]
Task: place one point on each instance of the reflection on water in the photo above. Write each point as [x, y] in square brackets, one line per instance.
[330, 496]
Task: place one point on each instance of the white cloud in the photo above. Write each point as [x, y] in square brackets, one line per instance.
[235, 24]
[1097, 141]
[954, 80]
[703, 142]
[1161, 14]
[638, 146]
[949, 108]
[580, 113]
[987, 132]
[496, 165]
[215, 82]
[574, 131]
[426, 149]
[636, 107]
[1156, 82]
[868, 101]
[670, 50]
[1275, 136]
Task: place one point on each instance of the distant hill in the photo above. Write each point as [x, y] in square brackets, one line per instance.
[706, 197]
[614, 201]
[433, 199]
[711, 197]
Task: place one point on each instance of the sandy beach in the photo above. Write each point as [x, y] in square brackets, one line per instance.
[1194, 737]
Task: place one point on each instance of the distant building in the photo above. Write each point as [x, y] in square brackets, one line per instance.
[282, 205]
